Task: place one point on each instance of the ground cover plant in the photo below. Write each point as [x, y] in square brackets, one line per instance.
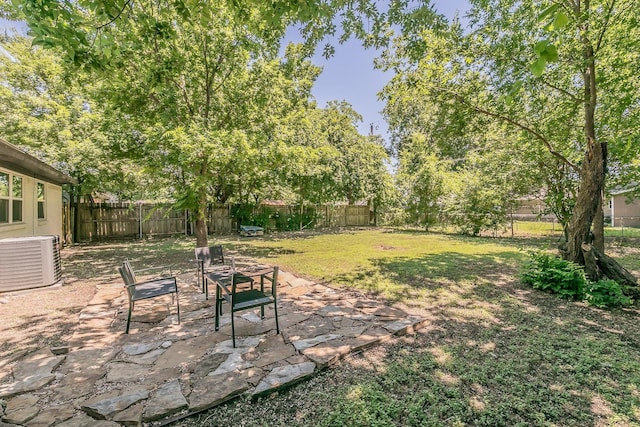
[550, 273]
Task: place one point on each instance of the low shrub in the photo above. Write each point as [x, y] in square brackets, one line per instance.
[549, 273]
[606, 293]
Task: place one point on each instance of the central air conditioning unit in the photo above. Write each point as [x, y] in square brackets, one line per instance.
[29, 262]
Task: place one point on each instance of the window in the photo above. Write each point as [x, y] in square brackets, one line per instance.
[41, 201]
[10, 198]
[16, 202]
[4, 198]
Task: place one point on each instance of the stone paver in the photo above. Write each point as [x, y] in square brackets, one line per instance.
[167, 400]
[164, 370]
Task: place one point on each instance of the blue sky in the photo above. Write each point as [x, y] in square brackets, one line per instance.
[349, 74]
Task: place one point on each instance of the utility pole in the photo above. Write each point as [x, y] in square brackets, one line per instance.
[372, 126]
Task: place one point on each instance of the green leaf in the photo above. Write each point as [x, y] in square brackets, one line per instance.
[516, 87]
[537, 68]
[561, 20]
[540, 47]
[550, 53]
[547, 12]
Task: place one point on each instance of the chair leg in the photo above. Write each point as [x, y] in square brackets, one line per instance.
[233, 330]
[178, 304]
[218, 307]
[275, 309]
[129, 316]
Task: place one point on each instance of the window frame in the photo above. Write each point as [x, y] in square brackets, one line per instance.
[10, 197]
[42, 200]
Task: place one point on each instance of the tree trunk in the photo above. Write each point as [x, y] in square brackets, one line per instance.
[201, 221]
[592, 171]
[588, 209]
[590, 263]
[612, 269]
[598, 226]
[200, 212]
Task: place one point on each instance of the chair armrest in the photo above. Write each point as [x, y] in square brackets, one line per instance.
[271, 277]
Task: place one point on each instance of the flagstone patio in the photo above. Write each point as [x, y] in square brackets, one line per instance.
[163, 371]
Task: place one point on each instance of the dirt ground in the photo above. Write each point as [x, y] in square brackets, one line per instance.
[42, 317]
[37, 318]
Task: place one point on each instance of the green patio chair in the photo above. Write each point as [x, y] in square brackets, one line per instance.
[246, 299]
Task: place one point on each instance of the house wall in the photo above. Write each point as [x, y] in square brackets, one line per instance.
[625, 213]
[30, 224]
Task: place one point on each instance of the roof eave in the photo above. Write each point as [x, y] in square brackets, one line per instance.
[19, 161]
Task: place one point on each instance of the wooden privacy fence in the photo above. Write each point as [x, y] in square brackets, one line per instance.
[126, 220]
[118, 220]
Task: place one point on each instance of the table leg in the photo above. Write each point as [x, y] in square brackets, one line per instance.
[217, 302]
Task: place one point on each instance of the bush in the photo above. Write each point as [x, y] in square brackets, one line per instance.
[552, 274]
[606, 293]
[297, 220]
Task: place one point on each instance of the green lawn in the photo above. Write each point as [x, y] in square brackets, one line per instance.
[495, 353]
[398, 265]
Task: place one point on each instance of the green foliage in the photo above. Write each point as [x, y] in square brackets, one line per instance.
[267, 217]
[549, 273]
[262, 218]
[606, 293]
[57, 119]
[243, 213]
[476, 204]
[299, 220]
[326, 159]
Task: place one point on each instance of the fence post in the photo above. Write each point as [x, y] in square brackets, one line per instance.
[140, 217]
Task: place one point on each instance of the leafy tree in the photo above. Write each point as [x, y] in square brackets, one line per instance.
[422, 180]
[53, 116]
[539, 68]
[361, 163]
[197, 104]
[328, 160]
[575, 44]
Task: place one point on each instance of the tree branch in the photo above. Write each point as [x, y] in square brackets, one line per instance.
[115, 18]
[605, 27]
[562, 91]
[519, 125]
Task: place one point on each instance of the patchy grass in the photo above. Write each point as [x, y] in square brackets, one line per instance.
[397, 265]
[494, 353]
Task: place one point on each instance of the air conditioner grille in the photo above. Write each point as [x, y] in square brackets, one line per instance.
[29, 262]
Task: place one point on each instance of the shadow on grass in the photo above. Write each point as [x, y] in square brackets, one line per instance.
[404, 279]
[493, 354]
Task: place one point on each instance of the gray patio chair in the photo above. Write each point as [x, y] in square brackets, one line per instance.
[146, 289]
[210, 259]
